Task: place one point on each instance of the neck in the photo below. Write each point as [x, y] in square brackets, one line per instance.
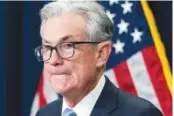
[73, 98]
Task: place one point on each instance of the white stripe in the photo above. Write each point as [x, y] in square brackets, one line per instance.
[112, 77]
[49, 94]
[141, 79]
[35, 105]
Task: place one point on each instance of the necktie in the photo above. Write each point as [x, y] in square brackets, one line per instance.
[69, 112]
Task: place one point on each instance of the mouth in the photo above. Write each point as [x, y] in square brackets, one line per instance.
[59, 74]
[52, 72]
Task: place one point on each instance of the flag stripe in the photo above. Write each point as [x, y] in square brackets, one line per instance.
[124, 78]
[35, 106]
[141, 78]
[158, 44]
[49, 93]
[157, 77]
[112, 77]
[42, 100]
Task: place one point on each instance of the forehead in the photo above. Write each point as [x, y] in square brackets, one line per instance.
[68, 24]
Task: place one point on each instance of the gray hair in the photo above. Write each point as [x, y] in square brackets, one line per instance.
[99, 26]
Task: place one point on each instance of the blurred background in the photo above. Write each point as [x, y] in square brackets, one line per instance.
[20, 72]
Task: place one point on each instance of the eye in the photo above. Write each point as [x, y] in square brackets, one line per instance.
[67, 45]
[45, 48]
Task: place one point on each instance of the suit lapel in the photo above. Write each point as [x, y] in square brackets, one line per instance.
[57, 109]
[106, 102]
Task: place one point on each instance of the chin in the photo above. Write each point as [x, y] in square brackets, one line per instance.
[62, 91]
[58, 80]
[61, 83]
[60, 88]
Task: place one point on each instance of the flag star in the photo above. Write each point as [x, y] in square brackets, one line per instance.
[110, 15]
[119, 47]
[123, 26]
[111, 2]
[127, 7]
[136, 35]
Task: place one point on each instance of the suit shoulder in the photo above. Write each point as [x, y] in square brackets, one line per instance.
[128, 100]
[124, 99]
[50, 108]
[138, 105]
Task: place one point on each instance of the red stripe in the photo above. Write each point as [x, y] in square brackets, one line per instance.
[124, 78]
[154, 68]
[42, 100]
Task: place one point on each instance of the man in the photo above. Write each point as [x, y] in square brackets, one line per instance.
[76, 44]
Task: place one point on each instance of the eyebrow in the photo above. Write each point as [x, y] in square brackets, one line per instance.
[45, 41]
[61, 39]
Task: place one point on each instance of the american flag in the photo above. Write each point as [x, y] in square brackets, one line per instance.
[137, 64]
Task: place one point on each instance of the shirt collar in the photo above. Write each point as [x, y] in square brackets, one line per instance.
[85, 106]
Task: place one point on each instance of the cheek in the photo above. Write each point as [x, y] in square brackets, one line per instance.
[84, 68]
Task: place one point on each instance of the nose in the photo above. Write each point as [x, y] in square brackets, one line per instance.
[55, 59]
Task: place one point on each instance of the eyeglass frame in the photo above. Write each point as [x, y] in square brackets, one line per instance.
[73, 44]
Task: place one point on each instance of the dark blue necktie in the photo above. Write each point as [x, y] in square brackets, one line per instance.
[69, 112]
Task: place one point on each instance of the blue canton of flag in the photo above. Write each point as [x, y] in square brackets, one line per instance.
[131, 33]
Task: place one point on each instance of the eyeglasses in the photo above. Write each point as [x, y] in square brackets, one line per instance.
[64, 50]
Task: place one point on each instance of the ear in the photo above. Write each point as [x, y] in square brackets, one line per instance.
[103, 52]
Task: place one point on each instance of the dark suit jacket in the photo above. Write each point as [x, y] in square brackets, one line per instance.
[111, 102]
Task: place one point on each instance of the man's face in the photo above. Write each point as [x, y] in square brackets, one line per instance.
[67, 75]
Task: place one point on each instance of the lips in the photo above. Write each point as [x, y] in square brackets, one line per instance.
[59, 77]
[57, 73]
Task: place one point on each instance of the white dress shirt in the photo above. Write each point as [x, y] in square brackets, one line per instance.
[85, 106]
